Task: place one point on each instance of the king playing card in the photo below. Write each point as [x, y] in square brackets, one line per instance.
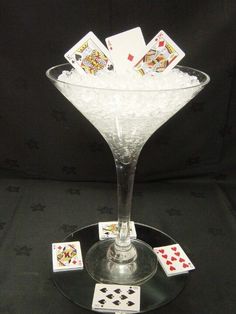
[160, 55]
[90, 56]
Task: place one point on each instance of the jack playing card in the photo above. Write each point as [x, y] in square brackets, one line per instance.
[116, 298]
[160, 55]
[126, 49]
[173, 260]
[66, 256]
[90, 56]
[109, 229]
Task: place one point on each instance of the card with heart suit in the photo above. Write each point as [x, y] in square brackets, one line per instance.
[173, 259]
[66, 256]
[90, 56]
[160, 55]
[109, 229]
[116, 298]
[126, 49]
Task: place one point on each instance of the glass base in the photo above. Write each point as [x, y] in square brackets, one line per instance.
[105, 270]
[78, 286]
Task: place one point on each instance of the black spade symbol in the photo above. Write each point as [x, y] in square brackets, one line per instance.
[130, 291]
[110, 67]
[117, 291]
[117, 302]
[110, 296]
[103, 290]
[130, 303]
[102, 301]
[78, 57]
[123, 297]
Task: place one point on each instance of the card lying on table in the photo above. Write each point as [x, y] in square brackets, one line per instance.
[173, 259]
[90, 56]
[108, 229]
[66, 256]
[116, 298]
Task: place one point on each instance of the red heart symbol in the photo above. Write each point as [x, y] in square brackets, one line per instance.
[174, 248]
[181, 260]
[173, 258]
[177, 253]
[168, 262]
[185, 265]
[161, 251]
[172, 268]
[164, 256]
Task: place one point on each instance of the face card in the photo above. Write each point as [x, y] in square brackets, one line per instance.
[173, 260]
[109, 229]
[116, 297]
[160, 55]
[126, 49]
[89, 56]
[66, 256]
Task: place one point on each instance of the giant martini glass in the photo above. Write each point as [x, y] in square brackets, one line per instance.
[126, 119]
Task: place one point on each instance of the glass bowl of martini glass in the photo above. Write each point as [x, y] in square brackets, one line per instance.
[126, 118]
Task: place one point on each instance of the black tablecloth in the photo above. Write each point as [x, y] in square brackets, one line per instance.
[199, 214]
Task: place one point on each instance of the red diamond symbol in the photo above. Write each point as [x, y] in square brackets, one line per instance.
[130, 57]
[74, 262]
[161, 43]
[59, 247]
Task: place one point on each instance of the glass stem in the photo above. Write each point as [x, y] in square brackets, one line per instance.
[125, 181]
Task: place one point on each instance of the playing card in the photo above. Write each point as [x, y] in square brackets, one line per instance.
[66, 256]
[90, 56]
[126, 49]
[173, 260]
[116, 297]
[160, 55]
[109, 229]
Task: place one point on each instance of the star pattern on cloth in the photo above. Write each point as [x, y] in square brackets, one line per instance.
[197, 106]
[173, 212]
[68, 228]
[194, 160]
[32, 144]
[23, 250]
[11, 163]
[216, 232]
[13, 189]
[73, 191]
[2, 225]
[198, 194]
[69, 170]
[105, 210]
[59, 115]
[96, 147]
[38, 207]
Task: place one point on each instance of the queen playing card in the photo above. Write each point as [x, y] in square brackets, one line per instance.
[66, 256]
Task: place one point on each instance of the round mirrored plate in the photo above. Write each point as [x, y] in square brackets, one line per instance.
[78, 286]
